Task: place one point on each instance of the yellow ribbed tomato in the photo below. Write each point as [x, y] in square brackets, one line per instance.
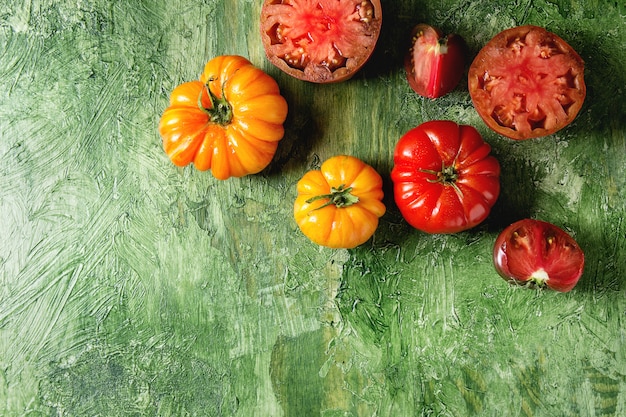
[338, 206]
[230, 121]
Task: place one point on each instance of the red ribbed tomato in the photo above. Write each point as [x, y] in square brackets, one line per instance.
[321, 41]
[445, 179]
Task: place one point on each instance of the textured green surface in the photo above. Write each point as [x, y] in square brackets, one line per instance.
[130, 287]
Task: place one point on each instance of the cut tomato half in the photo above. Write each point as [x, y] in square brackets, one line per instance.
[527, 82]
[321, 41]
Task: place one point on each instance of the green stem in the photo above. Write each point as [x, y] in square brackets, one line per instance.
[339, 196]
[220, 112]
[446, 176]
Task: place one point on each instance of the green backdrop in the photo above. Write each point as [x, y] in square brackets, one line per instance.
[130, 287]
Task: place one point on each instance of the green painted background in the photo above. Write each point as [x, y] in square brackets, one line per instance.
[129, 287]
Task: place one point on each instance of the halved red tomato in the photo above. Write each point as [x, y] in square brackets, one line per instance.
[321, 41]
[527, 82]
[538, 254]
[435, 62]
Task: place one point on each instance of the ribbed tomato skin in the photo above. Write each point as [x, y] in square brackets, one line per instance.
[240, 140]
[445, 180]
[333, 225]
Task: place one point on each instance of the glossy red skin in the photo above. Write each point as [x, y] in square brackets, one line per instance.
[534, 253]
[527, 83]
[420, 158]
[346, 29]
[435, 63]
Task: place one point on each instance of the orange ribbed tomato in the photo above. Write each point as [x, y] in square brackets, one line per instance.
[338, 206]
[230, 121]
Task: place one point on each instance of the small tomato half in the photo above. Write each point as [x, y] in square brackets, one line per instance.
[230, 121]
[338, 206]
[445, 180]
[538, 254]
[435, 62]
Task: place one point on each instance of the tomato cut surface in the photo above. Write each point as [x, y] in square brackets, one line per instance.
[527, 82]
[538, 254]
[320, 40]
[445, 180]
[435, 62]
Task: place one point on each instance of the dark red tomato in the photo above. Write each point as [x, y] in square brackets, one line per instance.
[527, 82]
[435, 63]
[444, 179]
[538, 254]
[321, 41]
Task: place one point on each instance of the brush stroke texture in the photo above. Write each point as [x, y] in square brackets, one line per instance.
[131, 287]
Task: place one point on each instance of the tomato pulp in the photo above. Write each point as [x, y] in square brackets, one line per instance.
[320, 41]
[527, 82]
[435, 63]
[539, 254]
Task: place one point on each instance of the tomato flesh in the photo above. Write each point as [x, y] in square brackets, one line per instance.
[527, 82]
[435, 63]
[538, 254]
[320, 40]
